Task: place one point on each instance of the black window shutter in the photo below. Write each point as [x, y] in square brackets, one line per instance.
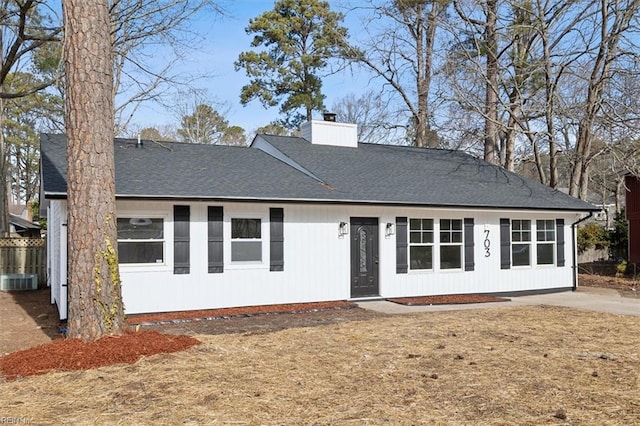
[215, 240]
[181, 239]
[505, 244]
[276, 233]
[560, 242]
[401, 245]
[469, 263]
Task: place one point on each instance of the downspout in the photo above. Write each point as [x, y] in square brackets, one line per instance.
[574, 249]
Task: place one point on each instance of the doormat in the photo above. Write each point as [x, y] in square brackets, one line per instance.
[451, 299]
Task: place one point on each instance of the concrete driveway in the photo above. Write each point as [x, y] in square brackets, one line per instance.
[586, 298]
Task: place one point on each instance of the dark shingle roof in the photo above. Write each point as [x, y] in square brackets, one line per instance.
[180, 170]
[407, 175]
[379, 174]
[22, 223]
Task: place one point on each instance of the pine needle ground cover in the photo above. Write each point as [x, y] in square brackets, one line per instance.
[531, 365]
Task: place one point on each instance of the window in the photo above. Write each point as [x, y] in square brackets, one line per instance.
[450, 243]
[520, 242]
[545, 238]
[140, 240]
[246, 240]
[421, 243]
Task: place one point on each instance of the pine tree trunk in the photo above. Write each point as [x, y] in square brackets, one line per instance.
[95, 300]
[4, 183]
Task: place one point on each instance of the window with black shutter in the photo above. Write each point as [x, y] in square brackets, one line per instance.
[505, 244]
[401, 245]
[469, 263]
[276, 236]
[215, 250]
[181, 239]
[560, 242]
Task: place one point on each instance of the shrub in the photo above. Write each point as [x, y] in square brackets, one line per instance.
[592, 235]
[621, 268]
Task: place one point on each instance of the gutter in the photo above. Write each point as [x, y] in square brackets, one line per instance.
[575, 249]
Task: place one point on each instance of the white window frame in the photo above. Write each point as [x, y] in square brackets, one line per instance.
[235, 240]
[451, 243]
[544, 241]
[520, 242]
[162, 240]
[422, 243]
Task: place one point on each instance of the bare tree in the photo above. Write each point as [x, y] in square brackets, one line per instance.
[611, 47]
[399, 49]
[23, 30]
[141, 29]
[370, 111]
[95, 295]
[483, 44]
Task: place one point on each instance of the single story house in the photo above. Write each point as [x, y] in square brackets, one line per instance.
[317, 218]
[22, 227]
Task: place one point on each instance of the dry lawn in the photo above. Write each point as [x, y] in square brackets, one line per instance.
[532, 365]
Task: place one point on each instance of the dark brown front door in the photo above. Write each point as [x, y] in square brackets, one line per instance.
[364, 257]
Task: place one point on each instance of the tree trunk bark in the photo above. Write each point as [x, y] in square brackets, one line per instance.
[95, 299]
[4, 176]
[581, 157]
[491, 97]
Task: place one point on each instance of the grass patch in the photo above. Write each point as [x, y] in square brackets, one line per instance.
[528, 365]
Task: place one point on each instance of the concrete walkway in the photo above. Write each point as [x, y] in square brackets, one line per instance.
[586, 298]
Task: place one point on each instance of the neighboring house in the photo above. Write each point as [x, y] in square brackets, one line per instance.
[20, 222]
[632, 202]
[24, 228]
[317, 218]
[605, 216]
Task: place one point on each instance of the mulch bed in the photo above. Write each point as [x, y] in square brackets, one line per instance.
[73, 354]
[247, 311]
[452, 299]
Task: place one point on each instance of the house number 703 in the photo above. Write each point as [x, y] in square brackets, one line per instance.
[487, 244]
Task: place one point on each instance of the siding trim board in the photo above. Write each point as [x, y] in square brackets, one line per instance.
[330, 202]
[215, 240]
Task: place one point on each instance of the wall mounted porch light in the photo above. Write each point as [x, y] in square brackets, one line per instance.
[343, 229]
[390, 229]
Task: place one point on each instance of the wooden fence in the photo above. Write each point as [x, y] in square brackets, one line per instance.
[24, 256]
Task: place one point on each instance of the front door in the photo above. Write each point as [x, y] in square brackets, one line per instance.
[364, 257]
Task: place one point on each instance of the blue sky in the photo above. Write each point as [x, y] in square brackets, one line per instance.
[223, 40]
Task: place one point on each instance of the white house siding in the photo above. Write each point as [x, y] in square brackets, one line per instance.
[56, 258]
[317, 259]
[316, 262]
[487, 276]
